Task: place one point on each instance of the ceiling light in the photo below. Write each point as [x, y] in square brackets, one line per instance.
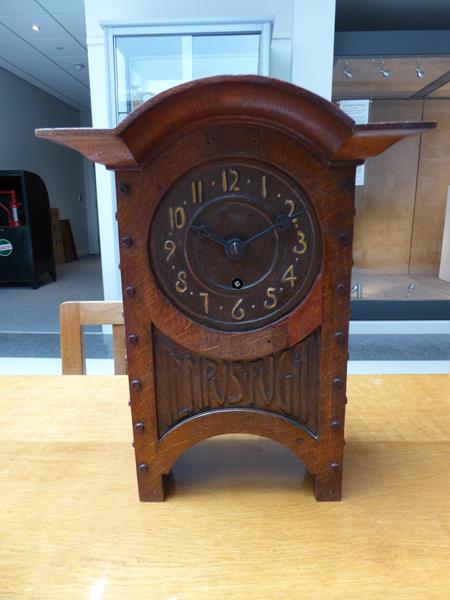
[383, 71]
[78, 66]
[419, 72]
[35, 28]
[347, 71]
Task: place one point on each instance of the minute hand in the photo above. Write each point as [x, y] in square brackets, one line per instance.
[281, 222]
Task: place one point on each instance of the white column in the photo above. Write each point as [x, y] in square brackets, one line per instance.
[444, 269]
[313, 45]
[106, 196]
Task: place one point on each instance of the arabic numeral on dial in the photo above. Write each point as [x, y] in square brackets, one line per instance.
[289, 276]
[170, 246]
[197, 191]
[301, 246]
[230, 179]
[291, 204]
[205, 297]
[238, 312]
[177, 217]
[271, 301]
[181, 283]
[264, 186]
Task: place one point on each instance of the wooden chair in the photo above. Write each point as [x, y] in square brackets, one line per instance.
[73, 315]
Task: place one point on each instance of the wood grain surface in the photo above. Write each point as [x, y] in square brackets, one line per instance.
[242, 523]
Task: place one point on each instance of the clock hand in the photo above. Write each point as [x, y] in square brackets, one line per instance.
[203, 230]
[281, 222]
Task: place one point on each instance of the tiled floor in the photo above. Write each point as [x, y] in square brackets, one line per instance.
[377, 285]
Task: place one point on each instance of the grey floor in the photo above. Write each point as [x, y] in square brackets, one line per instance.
[29, 319]
[29, 322]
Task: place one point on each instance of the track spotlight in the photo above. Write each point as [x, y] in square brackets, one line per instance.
[384, 71]
[419, 72]
[347, 71]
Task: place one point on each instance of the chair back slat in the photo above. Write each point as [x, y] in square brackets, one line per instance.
[73, 315]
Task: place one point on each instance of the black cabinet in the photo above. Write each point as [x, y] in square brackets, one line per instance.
[26, 251]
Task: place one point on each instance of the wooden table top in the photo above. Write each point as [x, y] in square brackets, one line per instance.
[243, 523]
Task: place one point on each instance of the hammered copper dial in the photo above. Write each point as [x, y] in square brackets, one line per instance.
[235, 245]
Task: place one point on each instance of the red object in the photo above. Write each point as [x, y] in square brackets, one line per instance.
[13, 212]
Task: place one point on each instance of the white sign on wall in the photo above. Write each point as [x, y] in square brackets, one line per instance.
[358, 110]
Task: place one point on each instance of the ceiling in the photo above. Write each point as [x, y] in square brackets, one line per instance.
[47, 58]
[392, 15]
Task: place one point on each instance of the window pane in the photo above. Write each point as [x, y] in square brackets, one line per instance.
[145, 66]
[225, 55]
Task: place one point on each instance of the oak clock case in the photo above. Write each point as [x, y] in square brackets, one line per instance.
[235, 199]
[235, 245]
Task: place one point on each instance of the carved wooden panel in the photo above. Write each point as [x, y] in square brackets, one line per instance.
[188, 383]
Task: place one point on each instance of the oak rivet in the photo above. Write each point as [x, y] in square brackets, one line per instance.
[129, 402]
[335, 424]
[130, 291]
[132, 339]
[344, 237]
[338, 382]
[335, 466]
[124, 188]
[136, 384]
[341, 289]
[127, 241]
[339, 337]
[143, 468]
[139, 426]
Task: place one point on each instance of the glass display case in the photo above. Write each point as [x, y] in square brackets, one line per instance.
[402, 243]
[145, 61]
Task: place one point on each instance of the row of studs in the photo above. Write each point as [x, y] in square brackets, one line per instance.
[346, 185]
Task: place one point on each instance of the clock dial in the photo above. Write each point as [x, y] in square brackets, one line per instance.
[235, 245]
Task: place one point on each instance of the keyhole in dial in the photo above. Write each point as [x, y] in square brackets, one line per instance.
[237, 283]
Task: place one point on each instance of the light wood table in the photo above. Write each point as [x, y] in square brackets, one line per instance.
[242, 523]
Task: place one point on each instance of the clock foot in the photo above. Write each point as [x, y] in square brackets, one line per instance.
[151, 487]
[328, 485]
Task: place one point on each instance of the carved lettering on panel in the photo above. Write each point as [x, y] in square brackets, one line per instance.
[285, 383]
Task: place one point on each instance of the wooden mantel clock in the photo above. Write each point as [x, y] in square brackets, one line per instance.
[235, 208]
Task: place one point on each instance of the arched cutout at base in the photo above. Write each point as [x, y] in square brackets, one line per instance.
[237, 463]
[244, 421]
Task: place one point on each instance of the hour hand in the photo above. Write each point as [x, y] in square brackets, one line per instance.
[202, 230]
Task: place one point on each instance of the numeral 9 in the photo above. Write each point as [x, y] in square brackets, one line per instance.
[170, 246]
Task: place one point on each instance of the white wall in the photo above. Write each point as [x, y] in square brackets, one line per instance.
[24, 108]
[313, 45]
[301, 52]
